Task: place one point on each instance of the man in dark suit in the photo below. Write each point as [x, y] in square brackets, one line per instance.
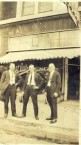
[33, 83]
[53, 90]
[9, 81]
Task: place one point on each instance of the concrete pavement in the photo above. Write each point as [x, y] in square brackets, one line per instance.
[66, 130]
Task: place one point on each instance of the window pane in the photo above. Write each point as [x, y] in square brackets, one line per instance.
[45, 6]
[7, 10]
[79, 3]
[35, 41]
[28, 4]
[28, 8]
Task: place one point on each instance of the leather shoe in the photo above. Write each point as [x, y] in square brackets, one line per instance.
[15, 115]
[5, 115]
[49, 118]
[22, 116]
[37, 118]
[53, 121]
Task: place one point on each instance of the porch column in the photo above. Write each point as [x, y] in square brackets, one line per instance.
[66, 79]
[63, 73]
[80, 108]
[80, 91]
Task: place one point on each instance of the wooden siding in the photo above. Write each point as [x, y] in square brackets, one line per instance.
[60, 39]
[36, 27]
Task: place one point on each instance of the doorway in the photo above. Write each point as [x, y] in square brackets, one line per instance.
[73, 78]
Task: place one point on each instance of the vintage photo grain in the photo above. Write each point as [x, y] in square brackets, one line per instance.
[40, 72]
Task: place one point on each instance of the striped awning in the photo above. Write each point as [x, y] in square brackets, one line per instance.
[40, 55]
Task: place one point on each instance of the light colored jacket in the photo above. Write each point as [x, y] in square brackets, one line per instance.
[5, 80]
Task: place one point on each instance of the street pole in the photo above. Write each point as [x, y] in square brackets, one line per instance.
[66, 79]
[80, 96]
[80, 108]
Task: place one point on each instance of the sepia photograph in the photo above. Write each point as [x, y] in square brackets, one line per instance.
[40, 72]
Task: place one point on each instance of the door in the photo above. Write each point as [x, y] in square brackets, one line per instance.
[73, 79]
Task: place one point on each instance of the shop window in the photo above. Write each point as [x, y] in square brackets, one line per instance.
[44, 41]
[28, 8]
[45, 7]
[54, 39]
[20, 43]
[69, 38]
[35, 41]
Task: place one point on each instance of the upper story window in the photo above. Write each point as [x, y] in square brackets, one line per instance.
[45, 7]
[28, 8]
[7, 10]
[79, 4]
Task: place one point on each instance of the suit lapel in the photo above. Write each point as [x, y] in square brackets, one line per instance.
[35, 75]
[8, 75]
[27, 77]
[53, 76]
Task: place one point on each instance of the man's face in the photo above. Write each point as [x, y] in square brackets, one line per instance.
[51, 68]
[31, 69]
[12, 67]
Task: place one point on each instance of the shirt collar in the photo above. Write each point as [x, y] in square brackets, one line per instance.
[52, 72]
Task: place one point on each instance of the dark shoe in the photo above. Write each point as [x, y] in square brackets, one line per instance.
[50, 118]
[15, 115]
[22, 116]
[53, 121]
[5, 115]
[37, 118]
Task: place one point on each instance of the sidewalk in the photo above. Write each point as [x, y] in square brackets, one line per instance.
[65, 130]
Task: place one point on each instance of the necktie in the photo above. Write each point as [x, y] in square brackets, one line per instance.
[12, 74]
[50, 77]
[30, 78]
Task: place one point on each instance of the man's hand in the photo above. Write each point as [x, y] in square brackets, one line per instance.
[22, 93]
[16, 84]
[45, 93]
[35, 87]
[55, 94]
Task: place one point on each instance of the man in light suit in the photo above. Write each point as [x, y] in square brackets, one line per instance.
[9, 81]
[33, 83]
[53, 91]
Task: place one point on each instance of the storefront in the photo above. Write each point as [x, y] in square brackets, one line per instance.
[41, 41]
[67, 62]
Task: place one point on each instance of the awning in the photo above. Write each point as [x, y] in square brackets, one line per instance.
[40, 55]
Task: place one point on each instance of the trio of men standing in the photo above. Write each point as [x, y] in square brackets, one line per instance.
[32, 84]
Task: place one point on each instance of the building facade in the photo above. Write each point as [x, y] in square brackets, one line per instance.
[40, 33]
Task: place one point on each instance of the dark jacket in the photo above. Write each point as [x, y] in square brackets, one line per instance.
[55, 83]
[5, 79]
[38, 80]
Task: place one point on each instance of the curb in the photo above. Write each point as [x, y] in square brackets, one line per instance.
[44, 131]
